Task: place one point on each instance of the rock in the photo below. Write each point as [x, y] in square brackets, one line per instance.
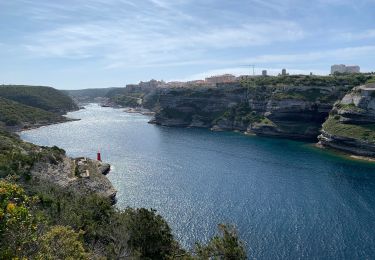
[80, 175]
[346, 144]
[351, 124]
[296, 113]
[104, 168]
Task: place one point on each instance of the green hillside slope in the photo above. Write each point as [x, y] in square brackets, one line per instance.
[15, 114]
[46, 98]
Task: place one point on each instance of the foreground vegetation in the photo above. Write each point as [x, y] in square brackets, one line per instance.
[45, 222]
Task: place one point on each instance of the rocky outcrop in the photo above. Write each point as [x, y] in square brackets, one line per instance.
[347, 144]
[291, 112]
[104, 168]
[351, 124]
[80, 175]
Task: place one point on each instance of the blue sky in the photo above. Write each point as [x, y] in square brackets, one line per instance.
[72, 44]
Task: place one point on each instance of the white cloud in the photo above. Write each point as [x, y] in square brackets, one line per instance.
[145, 41]
[354, 36]
[115, 37]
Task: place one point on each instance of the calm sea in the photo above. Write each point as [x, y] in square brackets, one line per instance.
[288, 199]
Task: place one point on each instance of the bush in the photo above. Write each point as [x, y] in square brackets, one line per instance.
[18, 228]
[61, 243]
[226, 245]
[149, 234]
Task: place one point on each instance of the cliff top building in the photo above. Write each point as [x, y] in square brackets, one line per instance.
[150, 84]
[341, 68]
[226, 78]
[283, 72]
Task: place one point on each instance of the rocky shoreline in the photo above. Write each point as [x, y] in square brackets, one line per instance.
[265, 111]
[297, 114]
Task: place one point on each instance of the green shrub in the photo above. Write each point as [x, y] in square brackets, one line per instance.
[61, 243]
[18, 228]
[226, 245]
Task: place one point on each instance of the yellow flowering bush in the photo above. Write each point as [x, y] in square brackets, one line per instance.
[17, 225]
[62, 242]
[10, 208]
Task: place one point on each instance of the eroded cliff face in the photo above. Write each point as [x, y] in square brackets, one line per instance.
[291, 112]
[351, 124]
[195, 107]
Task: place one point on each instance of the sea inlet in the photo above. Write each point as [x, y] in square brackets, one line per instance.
[288, 199]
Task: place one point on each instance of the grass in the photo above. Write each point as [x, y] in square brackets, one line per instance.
[361, 132]
[349, 107]
[266, 121]
[311, 95]
[343, 80]
[240, 113]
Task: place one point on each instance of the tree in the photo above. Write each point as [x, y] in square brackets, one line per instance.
[226, 246]
[149, 234]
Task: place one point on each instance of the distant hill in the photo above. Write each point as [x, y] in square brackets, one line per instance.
[45, 98]
[115, 92]
[14, 114]
[89, 95]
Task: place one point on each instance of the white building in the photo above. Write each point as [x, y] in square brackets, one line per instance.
[353, 69]
[341, 68]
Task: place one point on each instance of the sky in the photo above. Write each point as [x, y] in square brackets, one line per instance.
[75, 44]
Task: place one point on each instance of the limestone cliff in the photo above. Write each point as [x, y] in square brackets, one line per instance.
[351, 124]
[291, 112]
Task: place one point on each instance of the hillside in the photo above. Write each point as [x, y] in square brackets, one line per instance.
[45, 98]
[14, 114]
[89, 95]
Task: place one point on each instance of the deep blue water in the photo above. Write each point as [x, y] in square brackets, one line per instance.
[287, 199]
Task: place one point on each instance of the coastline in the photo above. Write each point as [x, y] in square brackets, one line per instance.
[344, 155]
[142, 111]
[39, 125]
[309, 141]
[146, 112]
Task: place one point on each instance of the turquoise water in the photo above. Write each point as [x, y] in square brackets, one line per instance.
[287, 199]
